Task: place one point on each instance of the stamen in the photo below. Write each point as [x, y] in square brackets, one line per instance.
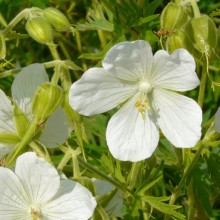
[35, 213]
[142, 105]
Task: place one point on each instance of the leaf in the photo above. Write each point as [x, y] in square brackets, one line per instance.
[214, 167]
[146, 19]
[148, 186]
[97, 20]
[201, 189]
[158, 203]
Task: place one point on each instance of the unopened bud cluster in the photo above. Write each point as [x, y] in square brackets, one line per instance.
[182, 29]
[40, 26]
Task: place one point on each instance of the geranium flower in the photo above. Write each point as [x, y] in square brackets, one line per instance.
[145, 85]
[23, 88]
[35, 192]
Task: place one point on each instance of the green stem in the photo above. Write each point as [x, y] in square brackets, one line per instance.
[15, 21]
[56, 74]
[191, 212]
[64, 160]
[38, 150]
[76, 170]
[101, 174]
[102, 213]
[146, 216]
[132, 177]
[53, 51]
[23, 144]
[202, 85]
[195, 9]
[177, 190]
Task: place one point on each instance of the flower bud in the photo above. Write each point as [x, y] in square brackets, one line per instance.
[175, 41]
[203, 34]
[40, 30]
[173, 17]
[47, 98]
[57, 19]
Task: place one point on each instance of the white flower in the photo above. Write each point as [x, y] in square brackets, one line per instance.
[35, 192]
[23, 89]
[217, 120]
[131, 73]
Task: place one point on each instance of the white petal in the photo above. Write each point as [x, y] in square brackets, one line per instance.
[5, 149]
[97, 91]
[129, 60]
[40, 180]
[55, 131]
[13, 202]
[6, 114]
[26, 83]
[129, 136]
[73, 201]
[217, 120]
[179, 118]
[175, 71]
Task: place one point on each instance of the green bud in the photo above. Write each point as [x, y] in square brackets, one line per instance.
[57, 19]
[2, 47]
[173, 17]
[202, 33]
[40, 30]
[21, 121]
[175, 41]
[47, 98]
[9, 138]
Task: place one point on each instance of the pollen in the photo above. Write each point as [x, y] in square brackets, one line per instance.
[142, 105]
[35, 213]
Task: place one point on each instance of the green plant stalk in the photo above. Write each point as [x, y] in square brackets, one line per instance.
[15, 21]
[195, 9]
[76, 170]
[67, 156]
[103, 175]
[177, 190]
[203, 84]
[132, 177]
[53, 51]
[25, 141]
[102, 213]
[191, 212]
[146, 216]
[39, 152]
[56, 74]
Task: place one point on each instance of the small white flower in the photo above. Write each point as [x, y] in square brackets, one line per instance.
[23, 89]
[131, 73]
[217, 120]
[35, 192]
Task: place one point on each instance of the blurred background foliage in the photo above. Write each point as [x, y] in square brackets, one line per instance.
[98, 25]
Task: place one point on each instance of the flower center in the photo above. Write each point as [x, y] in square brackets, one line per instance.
[35, 213]
[142, 103]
